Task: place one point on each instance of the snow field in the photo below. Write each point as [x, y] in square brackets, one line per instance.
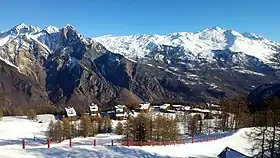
[14, 129]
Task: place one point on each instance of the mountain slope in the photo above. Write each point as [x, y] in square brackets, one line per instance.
[262, 93]
[19, 90]
[195, 45]
[75, 70]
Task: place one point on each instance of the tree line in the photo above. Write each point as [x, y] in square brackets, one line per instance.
[146, 127]
[17, 111]
[86, 127]
[266, 133]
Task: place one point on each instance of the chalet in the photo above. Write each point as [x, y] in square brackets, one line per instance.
[93, 110]
[120, 112]
[111, 114]
[156, 108]
[231, 153]
[178, 107]
[145, 107]
[186, 108]
[71, 113]
[196, 110]
[166, 108]
[132, 113]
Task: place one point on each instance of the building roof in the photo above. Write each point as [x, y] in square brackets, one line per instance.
[144, 106]
[122, 115]
[119, 115]
[177, 106]
[70, 111]
[231, 153]
[93, 107]
[186, 108]
[200, 110]
[213, 105]
[164, 106]
[120, 106]
[95, 114]
[110, 112]
[120, 110]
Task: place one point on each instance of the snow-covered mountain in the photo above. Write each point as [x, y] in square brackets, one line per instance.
[194, 46]
[199, 44]
[201, 66]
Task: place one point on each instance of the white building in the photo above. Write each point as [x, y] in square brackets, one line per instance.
[178, 107]
[120, 111]
[93, 109]
[145, 107]
[71, 113]
[164, 107]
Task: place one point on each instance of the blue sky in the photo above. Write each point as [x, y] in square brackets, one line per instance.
[125, 17]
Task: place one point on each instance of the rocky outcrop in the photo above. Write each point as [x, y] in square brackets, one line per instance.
[17, 89]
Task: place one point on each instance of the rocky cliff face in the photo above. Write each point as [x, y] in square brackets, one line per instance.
[61, 66]
[17, 89]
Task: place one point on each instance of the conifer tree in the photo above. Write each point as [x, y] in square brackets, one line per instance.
[86, 127]
[66, 128]
[31, 114]
[141, 130]
[101, 124]
[58, 131]
[50, 130]
[74, 129]
[16, 111]
[194, 125]
[128, 129]
[95, 128]
[1, 114]
[119, 129]
[107, 125]
[159, 127]
[186, 120]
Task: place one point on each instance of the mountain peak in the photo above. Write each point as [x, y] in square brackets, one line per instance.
[69, 26]
[215, 28]
[23, 28]
[51, 29]
[20, 26]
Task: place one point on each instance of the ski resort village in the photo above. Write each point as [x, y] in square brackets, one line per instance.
[141, 130]
[140, 79]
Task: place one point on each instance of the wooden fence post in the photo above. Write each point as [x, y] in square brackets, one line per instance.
[94, 142]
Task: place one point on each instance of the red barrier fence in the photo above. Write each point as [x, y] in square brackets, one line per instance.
[23, 144]
[70, 143]
[166, 142]
[26, 142]
[49, 143]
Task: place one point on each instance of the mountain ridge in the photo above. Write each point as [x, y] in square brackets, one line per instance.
[201, 67]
